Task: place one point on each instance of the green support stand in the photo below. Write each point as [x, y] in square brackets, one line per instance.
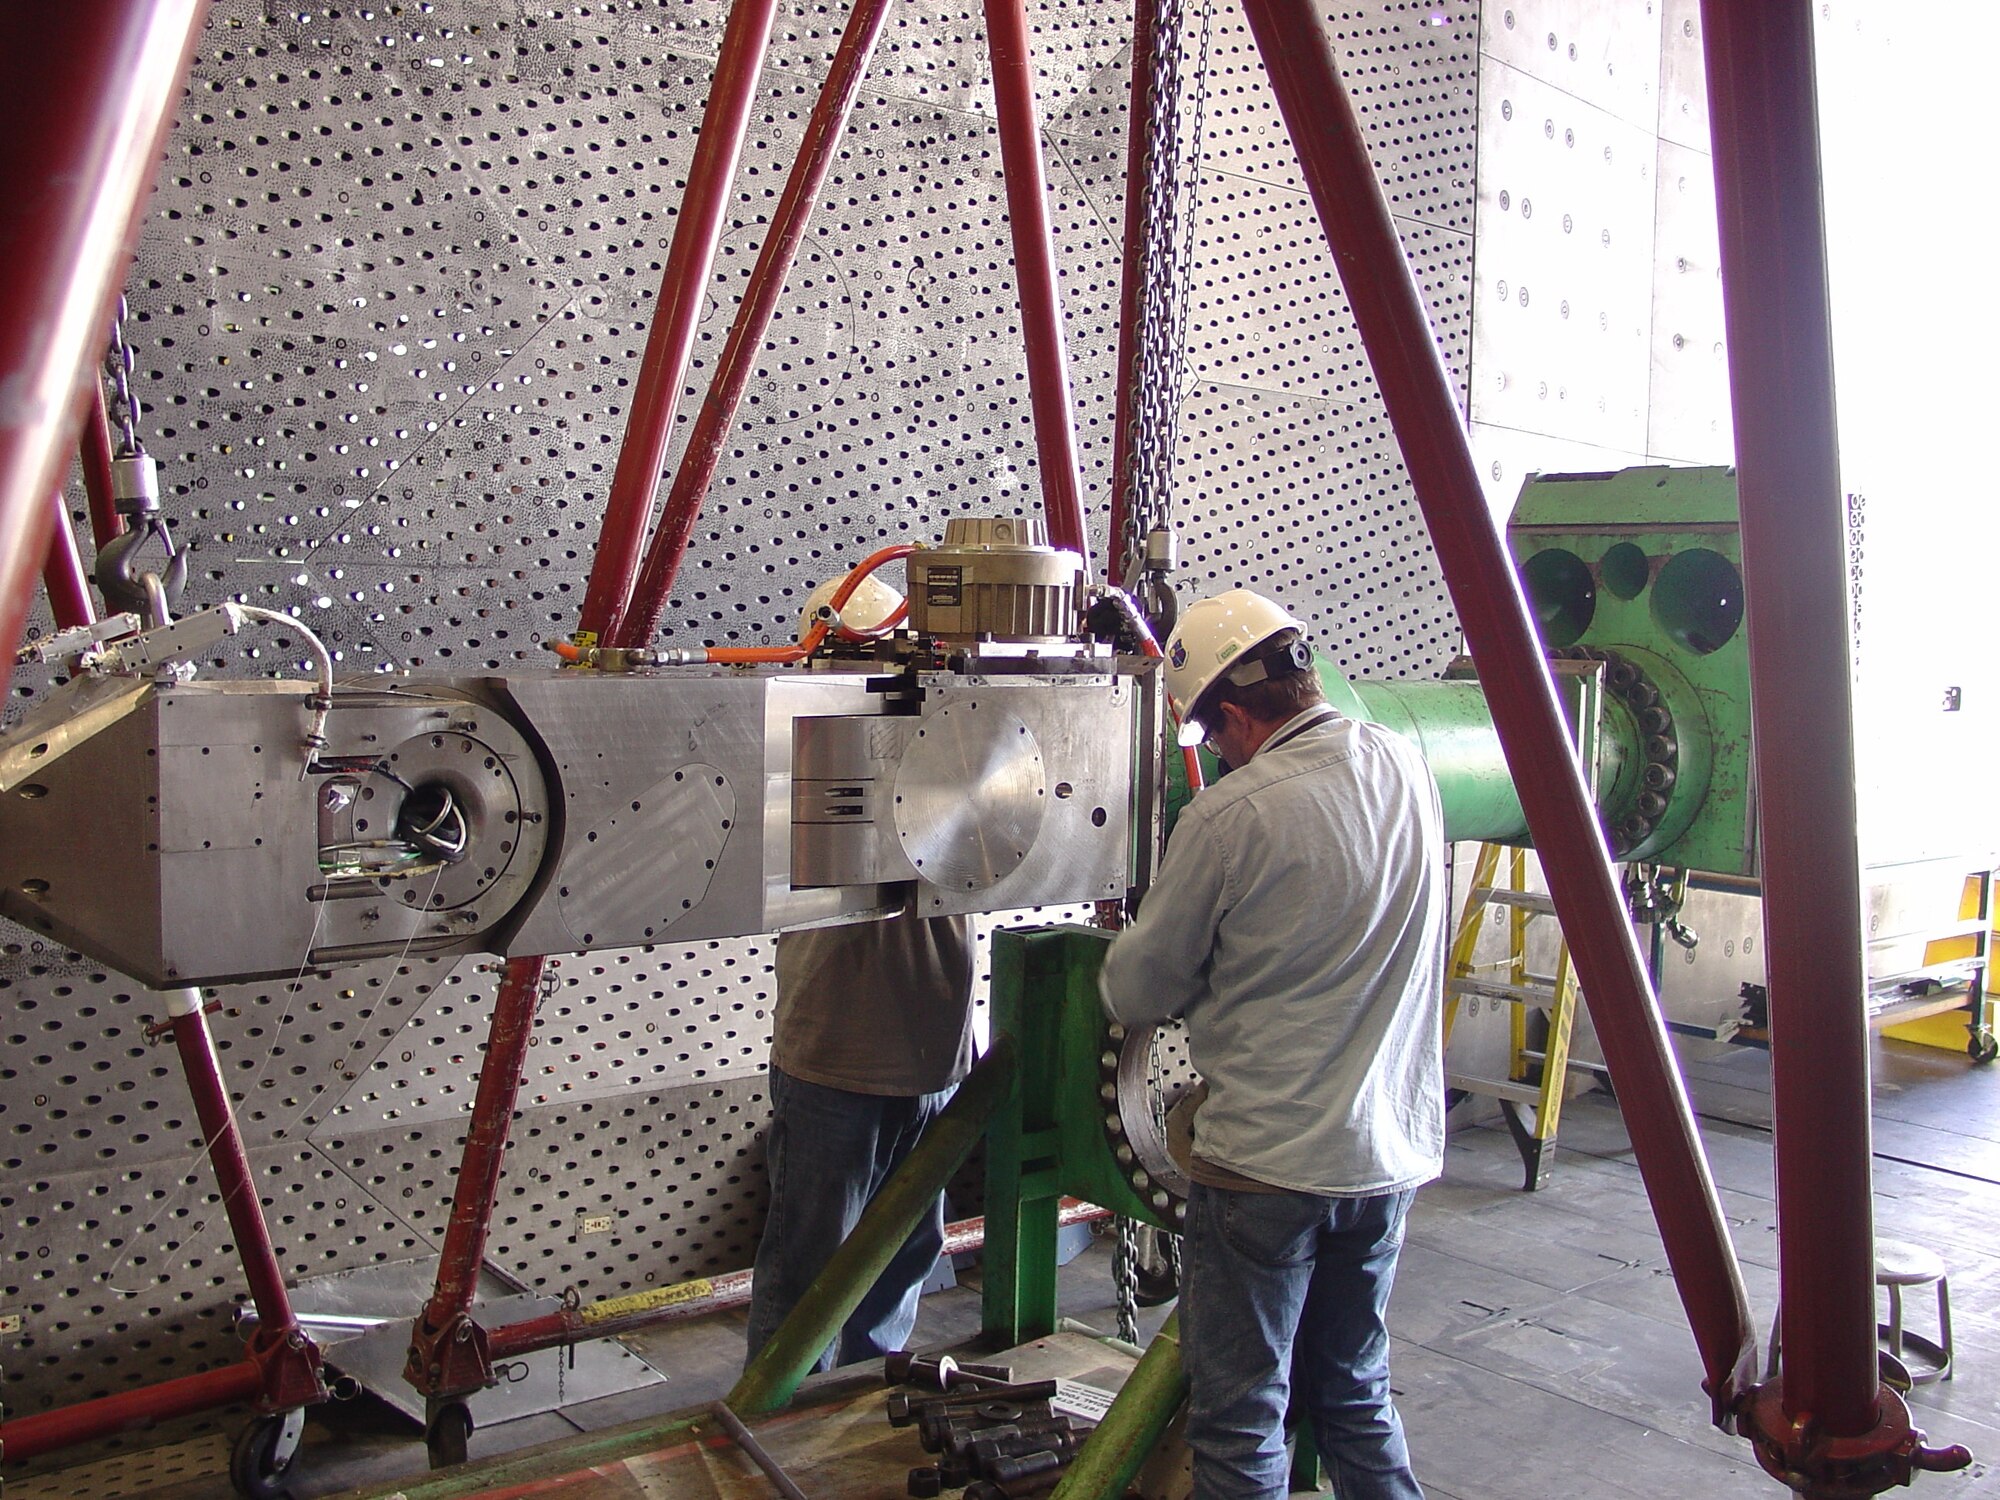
[1047, 1140]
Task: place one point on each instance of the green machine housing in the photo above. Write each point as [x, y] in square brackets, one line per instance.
[1642, 570]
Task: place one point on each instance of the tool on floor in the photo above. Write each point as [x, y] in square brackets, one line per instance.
[754, 1450]
[941, 1372]
[904, 1409]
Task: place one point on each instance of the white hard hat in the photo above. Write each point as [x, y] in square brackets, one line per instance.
[869, 605]
[1213, 635]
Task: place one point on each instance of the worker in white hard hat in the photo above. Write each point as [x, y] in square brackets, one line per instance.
[873, 1033]
[1298, 923]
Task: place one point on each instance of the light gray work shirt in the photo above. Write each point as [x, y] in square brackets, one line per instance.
[876, 1007]
[1298, 922]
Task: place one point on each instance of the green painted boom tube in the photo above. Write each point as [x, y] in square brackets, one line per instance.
[1131, 1429]
[774, 1375]
[1453, 727]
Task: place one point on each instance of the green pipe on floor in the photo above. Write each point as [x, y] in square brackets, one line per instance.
[1131, 1429]
[774, 1375]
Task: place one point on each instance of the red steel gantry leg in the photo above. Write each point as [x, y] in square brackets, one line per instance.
[1473, 556]
[282, 1371]
[62, 570]
[448, 1354]
[1035, 274]
[752, 321]
[1829, 1426]
[89, 93]
[683, 285]
[1139, 149]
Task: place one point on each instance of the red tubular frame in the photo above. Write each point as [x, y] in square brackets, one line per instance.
[448, 1350]
[1035, 274]
[753, 320]
[30, 1437]
[1829, 1426]
[670, 341]
[1424, 411]
[288, 1362]
[90, 93]
[1763, 114]
[1139, 145]
[94, 453]
[62, 570]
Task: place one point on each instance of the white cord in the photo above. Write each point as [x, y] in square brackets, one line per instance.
[323, 704]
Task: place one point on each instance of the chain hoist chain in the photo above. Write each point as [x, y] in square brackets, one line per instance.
[122, 361]
[1172, 195]
[1125, 1278]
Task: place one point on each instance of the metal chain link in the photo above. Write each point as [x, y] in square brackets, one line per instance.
[1125, 1278]
[1172, 198]
[121, 361]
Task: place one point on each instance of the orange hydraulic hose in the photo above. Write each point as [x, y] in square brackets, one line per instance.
[1190, 755]
[812, 640]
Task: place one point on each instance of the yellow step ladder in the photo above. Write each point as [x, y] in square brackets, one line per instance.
[1531, 1105]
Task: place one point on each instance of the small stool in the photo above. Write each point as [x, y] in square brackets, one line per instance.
[1899, 1264]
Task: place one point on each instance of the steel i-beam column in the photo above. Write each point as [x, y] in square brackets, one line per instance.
[753, 320]
[1473, 557]
[1763, 114]
[89, 93]
[676, 312]
[1035, 275]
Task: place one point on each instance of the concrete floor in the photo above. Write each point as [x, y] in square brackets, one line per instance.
[1540, 1345]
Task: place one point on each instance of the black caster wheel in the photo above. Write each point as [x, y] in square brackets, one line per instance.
[449, 1435]
[265, 1459]
[1983, 1047]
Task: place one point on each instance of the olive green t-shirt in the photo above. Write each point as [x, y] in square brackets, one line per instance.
[879, 1007]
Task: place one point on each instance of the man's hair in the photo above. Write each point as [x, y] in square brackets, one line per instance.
[1272, 700]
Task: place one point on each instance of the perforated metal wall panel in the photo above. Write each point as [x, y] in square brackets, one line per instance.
[388, 309]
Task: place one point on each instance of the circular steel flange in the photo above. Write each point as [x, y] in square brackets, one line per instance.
[1147, 1075]
[482, 783]
[970, 796]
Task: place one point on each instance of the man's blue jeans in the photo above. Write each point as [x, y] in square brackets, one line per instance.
[1284, 1287]
[827, 1153]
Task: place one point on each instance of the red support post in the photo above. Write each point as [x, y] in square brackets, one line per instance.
[288, 1360]
[89, 93]
[448, 1350]
[29, 1437]
[1831, 1420]
[1139, 149]
[1423, 409]
[62, 570]
[1763, 115]
[670, 341]
[753, 320]
[94, 454]
[1035, 274]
